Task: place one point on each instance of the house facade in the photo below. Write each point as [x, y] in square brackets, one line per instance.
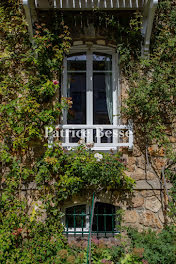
[93, 78]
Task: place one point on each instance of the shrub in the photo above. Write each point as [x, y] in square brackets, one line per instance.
[159, 248]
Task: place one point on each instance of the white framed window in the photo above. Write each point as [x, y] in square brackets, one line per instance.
[91, 79]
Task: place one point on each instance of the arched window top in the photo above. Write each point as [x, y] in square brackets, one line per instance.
[93, 48]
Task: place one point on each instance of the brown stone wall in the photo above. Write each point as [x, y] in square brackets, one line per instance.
[145, 208]
[150, 201]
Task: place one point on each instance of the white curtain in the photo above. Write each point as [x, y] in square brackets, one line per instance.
[108, 83]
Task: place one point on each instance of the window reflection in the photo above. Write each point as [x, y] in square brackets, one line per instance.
[102, 62]
[76, 62]
[76, 68]
[77, 91]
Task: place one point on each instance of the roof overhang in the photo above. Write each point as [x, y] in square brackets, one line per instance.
[90, 4]
[147, 7]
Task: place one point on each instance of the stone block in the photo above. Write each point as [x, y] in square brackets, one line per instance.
[136, 151]
[77, 43]
[153, 204]
[139, 174]
[148, 185]
[161, 216]
[173, 139]
[159, 163]
[150, 175]
[131, 168]
[138, 201]
[112, 45]
[130, 161]
[149, 219]
[148, 193]
[140, 162]
[131, 216]
[101, 42]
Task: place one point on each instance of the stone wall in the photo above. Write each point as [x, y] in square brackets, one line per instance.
[146, 207]
[143, 209]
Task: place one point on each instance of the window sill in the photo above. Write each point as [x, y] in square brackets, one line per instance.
[118, 134]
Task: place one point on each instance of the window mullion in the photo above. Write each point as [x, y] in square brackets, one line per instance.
[115, 96]
[89, 95]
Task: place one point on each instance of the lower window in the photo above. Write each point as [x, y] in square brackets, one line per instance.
[76, 217]
[77, 220]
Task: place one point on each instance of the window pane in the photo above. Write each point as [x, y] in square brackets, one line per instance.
[77, 91]
[76, 62]
[102, 98]
[75, 216]
[107, 136]
[75, 135]
[102, 62]
[102, 221]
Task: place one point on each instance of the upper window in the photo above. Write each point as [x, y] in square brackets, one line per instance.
[90, 80]
[89, 84]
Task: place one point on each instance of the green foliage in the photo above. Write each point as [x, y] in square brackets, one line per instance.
[30, 99]
[102, 252]
[151, 102]
[151, 95]
[130, 259]
[23, 241]
[158, 248]
[79, 169]
[126, 32]
[30, 77]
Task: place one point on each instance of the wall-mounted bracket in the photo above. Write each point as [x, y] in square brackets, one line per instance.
[31, 16]
[147, 24]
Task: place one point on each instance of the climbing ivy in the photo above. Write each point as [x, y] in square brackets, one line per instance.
[151, 97]
[30, 100]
